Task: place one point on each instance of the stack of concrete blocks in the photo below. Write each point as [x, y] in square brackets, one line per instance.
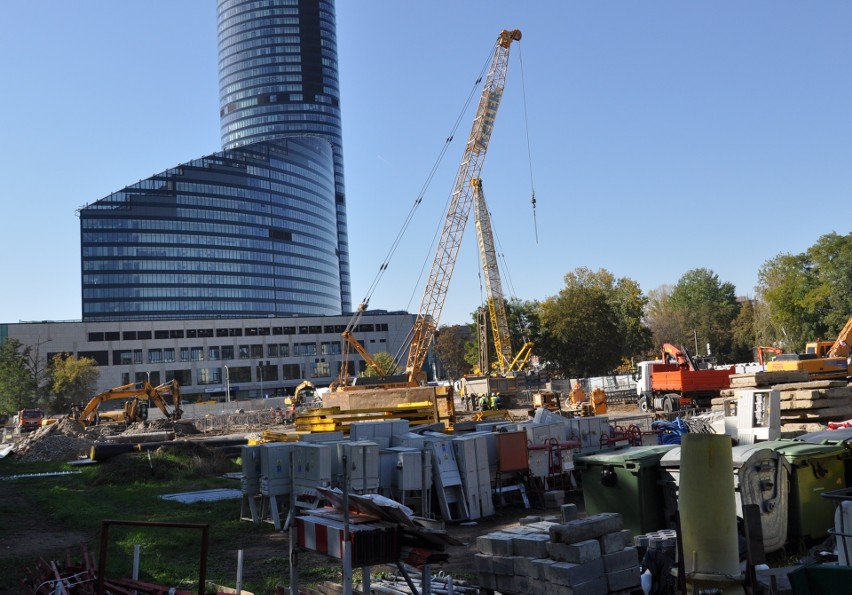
[590, 556]
[809, 406]
[664, 540]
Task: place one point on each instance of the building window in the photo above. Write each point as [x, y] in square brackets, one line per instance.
[320, 369]
[190, 333]
[176, 334]
[122, 358]
[239, 374]
[128, 336]
[244, 351]
[197, 354]
[125, 378]
[184, 377]
[168, 355]
[214, 354]
[184, 354]
[141, 377]
[154, 377]
[143, 335]
[330, 348]
[305, 349]
[95, 337]
[112, 336]
[227, 352]
[291, 371]
[272, 350]
[209, 375]
[155, 356]
[161, 334]
[256, 351]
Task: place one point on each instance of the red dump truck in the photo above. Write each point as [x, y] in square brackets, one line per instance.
[29, 420]
[665, 386]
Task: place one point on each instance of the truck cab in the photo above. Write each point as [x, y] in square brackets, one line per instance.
[29, 419]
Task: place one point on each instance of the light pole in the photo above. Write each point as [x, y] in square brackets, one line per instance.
[260, 369]
[227, 385]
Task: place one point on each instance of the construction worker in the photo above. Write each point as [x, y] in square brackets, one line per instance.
[483, 403]
[492, 401]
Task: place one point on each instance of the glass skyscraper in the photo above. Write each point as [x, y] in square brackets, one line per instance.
[258, 229]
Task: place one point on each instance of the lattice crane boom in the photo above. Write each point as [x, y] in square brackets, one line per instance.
[493, 285]
[444, 262]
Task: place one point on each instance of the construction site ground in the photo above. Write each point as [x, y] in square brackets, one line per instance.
[35, 532]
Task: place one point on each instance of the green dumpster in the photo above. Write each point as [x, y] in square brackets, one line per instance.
[624, 480]
[814, 469]
[840, 436]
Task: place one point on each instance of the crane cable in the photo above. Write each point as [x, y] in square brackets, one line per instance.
[401, 353]
[395, 244]
[529, 151]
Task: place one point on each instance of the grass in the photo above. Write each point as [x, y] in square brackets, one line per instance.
[128, 487]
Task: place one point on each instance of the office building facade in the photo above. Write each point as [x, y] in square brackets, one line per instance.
[258, 229]
[254, 357]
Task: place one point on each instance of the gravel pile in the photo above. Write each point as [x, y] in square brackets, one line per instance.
[65, 440]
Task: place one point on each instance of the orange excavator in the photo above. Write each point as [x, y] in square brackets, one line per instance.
[135, 409]
[761, 351]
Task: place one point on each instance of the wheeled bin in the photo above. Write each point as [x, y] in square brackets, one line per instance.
[624, 480]
[761, 477]
[814, 469]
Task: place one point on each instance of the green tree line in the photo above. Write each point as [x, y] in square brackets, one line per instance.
[599, 324]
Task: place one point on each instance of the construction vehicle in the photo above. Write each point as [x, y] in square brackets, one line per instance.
[547, 399]
[28, 420]
[139, 395]
[675, 382]
[821, 359]
[762, 351]
[582, 405]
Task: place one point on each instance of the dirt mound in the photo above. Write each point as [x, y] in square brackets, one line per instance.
[162, 425]
[65, 440]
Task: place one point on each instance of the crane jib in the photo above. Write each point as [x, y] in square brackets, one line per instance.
[460, 204]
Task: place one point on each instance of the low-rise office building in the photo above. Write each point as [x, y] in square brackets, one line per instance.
[253, 357]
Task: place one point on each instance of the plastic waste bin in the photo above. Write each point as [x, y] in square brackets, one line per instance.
[761, 476]
[624, 480]
[840, 436]
[814, 469]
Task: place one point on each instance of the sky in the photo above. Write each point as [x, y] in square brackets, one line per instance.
[659, 137]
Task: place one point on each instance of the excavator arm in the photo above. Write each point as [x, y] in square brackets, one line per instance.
[841, 347]
[680, 356]
[157, 396]
[763, 350]
[455, 221]
[88, 416]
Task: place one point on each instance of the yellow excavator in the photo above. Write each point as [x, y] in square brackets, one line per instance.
[821, 359]
[139, 395]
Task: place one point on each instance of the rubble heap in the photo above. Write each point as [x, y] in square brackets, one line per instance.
[593, 556]
[65, 440]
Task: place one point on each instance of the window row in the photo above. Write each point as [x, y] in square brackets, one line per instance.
[233, 375]
[127, 357]
[249, 331]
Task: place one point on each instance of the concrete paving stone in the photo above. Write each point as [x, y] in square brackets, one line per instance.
[543, 526]
[536, 586]
[524, 530]
[488, 580]
[552, 519]
[482, 563]
[513, 584]
[615, 542]
[503, 565]
[571, 575]
[527, 520]
[576, 553]
[623, 579]
[626, 558]
[554, 499]
[540, 566]
[590, 527]
[569, 512]
[531, 546]
[495, 544]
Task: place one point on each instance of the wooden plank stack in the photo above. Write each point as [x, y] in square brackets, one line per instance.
[332, 419]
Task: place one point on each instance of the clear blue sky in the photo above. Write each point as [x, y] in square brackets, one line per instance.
[664, 135]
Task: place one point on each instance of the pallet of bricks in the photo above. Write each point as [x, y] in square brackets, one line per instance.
[806, 406]
[589, 556]
[333, 419]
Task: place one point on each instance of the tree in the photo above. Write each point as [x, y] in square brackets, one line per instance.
[808, 294]
[450, 350]
[592, 324]
[17, 383]
[708, 308]
[386, 363]
[72, 381]
[523, 326]
[666, 324]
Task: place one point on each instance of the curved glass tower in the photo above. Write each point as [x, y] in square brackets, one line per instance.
[246, 232]
[278, 78]
[258, 229]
